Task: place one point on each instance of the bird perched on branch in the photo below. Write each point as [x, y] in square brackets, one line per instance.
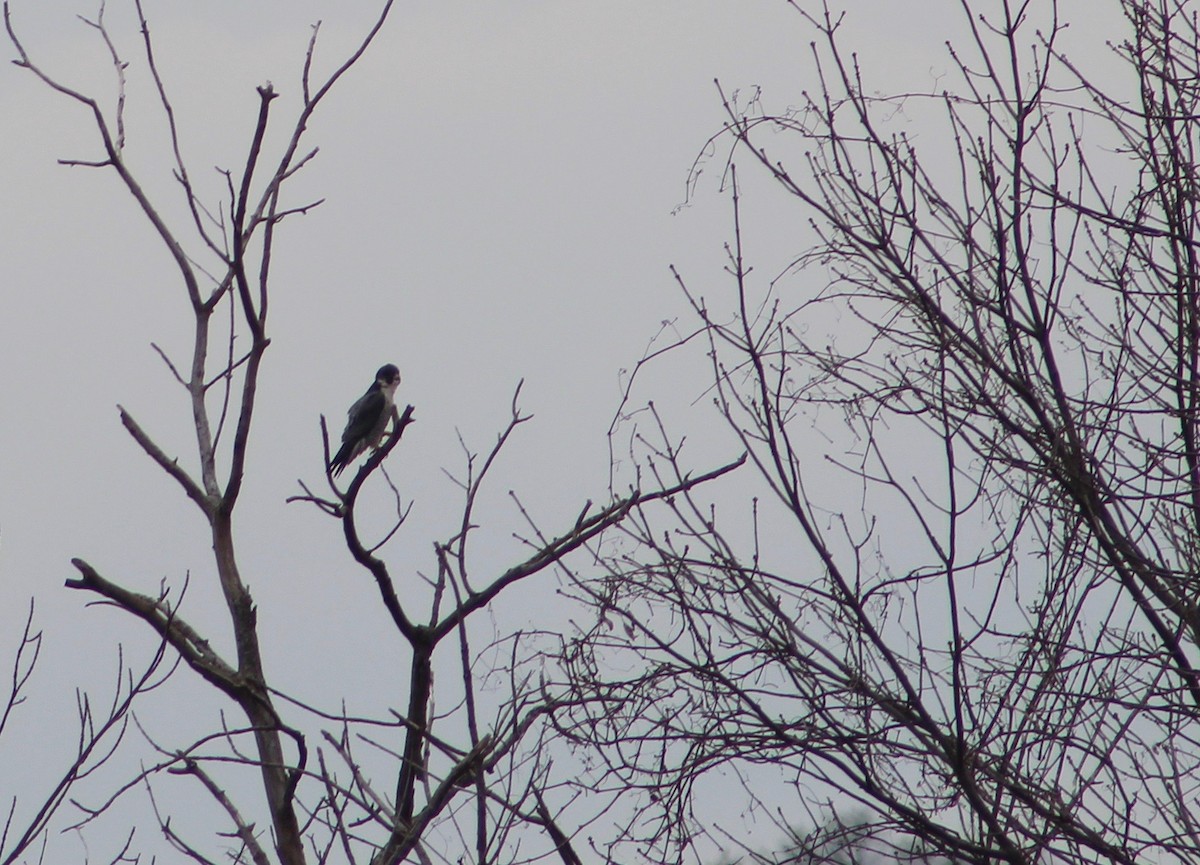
[367, 418]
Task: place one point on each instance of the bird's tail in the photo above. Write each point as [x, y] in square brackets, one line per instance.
[342, 459]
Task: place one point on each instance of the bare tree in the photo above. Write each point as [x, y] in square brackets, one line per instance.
[964, 596]
[100, 729]
[478, 772]
[849, 842]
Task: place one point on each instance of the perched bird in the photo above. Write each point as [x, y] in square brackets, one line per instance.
[367, 418]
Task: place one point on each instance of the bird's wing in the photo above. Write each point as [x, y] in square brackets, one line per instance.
[363, 415]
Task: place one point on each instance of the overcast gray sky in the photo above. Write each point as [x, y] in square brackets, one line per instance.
[502, 184]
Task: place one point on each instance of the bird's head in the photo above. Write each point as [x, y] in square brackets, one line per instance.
[388, 375]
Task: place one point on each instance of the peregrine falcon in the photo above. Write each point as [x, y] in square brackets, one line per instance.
[367, 418]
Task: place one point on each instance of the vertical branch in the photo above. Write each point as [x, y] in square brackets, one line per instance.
[255, 318]
[29, 649]
[412, 763]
